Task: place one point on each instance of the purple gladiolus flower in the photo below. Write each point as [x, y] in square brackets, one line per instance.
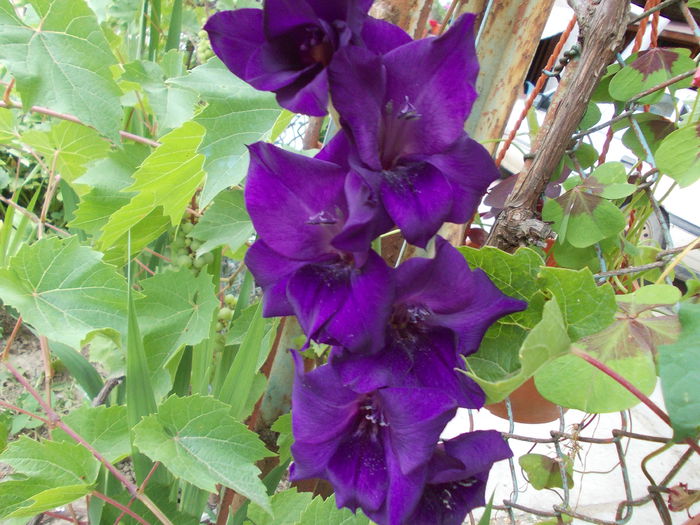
[287, 46]
[363, 443]
[454, 482]
[407, 129]
[442, 309]
[297, 205]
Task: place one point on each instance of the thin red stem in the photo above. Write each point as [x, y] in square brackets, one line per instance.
[11, 339]
[25, 412]
[121, 507]
[142, 488]
[146, 268]
[59, 516]
[159, 255]
[632, 390]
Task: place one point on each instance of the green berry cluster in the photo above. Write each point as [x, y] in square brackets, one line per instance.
[184, 250]
[223, 321]
[204, 51]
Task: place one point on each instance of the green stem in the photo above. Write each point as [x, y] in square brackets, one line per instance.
[175, 28]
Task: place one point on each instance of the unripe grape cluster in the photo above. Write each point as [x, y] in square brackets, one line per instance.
[184, 250]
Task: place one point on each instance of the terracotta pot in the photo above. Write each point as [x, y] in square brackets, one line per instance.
[528, 406]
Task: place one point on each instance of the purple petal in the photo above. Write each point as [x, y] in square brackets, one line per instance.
[272, 67]
[354, 71]
[437, 77]
[416, 418]
[281, 16]
[322, 409]
[367, 218]
[235, 37]
[296, 203]
[311, 459]
[272, 272]
[365, 373]
[463, 300]
[317, 291]
[471, 170]
[358, 473]
[403, 494]
[336, 151]
[308, 95]
[478, 451]
[359, 322]
[381, 37]
[417, 197]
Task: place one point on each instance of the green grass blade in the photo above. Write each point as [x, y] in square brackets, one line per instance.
[175, 28]
[79, 367]
[5, 233]
[154, 35]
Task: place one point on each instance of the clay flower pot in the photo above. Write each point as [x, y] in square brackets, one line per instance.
[528, 406]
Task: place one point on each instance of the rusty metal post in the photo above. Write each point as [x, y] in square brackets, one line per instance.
[507, 43]
[410, 15]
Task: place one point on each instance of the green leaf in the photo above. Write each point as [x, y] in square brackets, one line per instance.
[107, 179]
[47, 474]
[105, 428]
[176, 310]
[64, 290]
[196, 439]
[648, 69]
[69, 147]
[609, 180]
[679, 369]
[62, 61]
[582, 218]
[237, 115]
[654, 129]
[8, 124]
[628, 346]
[653, 294]
[587, 308]
[499, 375]
[165, 183]
[287, 508]
[80, 368]
[586, 156]
[545, 473]
[283, 426]
[591, 117]
[678, 156]
[241, 376]
[326, 512]
[171, 104]
[225, 222]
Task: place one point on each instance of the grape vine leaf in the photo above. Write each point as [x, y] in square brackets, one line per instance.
[225, 222]
[165, 182]
[62, 62]
[198, 440]
[105, 428]
[176, 310]
[326, 512]
[8, 125]
[678, 155]
[64, 289]
[545, 473]
[237, 115]
[287, 508]
[587, 307]
[69, 147]
[47, 474]
[649, 68]
[172, 105]
[107, 178]
[499, 374]
[679, 369]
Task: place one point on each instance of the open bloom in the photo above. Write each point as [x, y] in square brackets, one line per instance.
[407, 128]
[454, 482]
[365, 444]
[442, 309]
[297, 205]
[287, 46]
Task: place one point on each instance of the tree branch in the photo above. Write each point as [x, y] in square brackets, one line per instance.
[602, 26]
